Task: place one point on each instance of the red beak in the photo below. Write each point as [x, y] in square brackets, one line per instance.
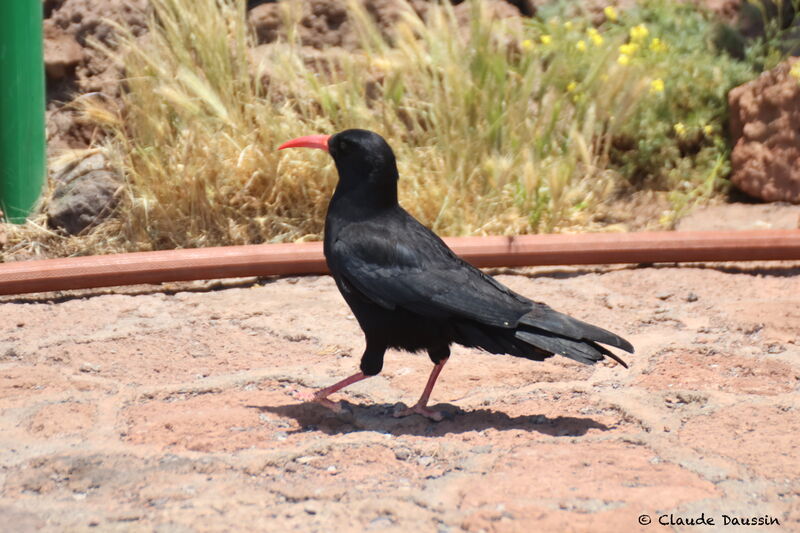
[309, 141]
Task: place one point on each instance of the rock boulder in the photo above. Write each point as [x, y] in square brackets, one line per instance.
[765, 114]
[86, 192]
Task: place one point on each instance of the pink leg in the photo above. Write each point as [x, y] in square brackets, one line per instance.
[321, 396]
[421, 406]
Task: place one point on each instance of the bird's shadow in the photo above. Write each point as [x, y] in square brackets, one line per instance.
[379, 417]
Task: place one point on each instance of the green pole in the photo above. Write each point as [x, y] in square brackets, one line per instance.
[22, 130]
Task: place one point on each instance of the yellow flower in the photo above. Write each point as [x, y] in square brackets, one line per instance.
[527, 45]
[795, 70]
[679, 128]
[595, 36]
[623, 59]
[610, 13]
[581, 45]
[657, 86]
[638, 33]
[628, 49]
[572, 86]
[546, 39]
[708, 129]
[568, 25]
[657, 45]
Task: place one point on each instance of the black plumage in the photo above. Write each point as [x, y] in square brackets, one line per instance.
[409, 291]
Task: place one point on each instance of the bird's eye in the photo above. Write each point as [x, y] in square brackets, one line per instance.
[343, 145]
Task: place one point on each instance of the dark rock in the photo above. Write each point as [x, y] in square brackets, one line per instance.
[85, 193]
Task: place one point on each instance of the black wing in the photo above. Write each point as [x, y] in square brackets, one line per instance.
[398, 262]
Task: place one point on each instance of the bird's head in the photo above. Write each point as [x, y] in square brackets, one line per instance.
[363, 158]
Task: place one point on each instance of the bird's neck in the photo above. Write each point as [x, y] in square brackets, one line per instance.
[355, 206]
[363, 199]
[346, 210]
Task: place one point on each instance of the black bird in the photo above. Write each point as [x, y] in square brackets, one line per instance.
[409, 291]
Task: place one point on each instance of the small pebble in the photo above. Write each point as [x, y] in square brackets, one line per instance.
[381, 522]
[402, 454]
[89, 368]
[692, 297]
[425, 460]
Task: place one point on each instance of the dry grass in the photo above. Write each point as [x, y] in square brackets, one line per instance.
[500, 127]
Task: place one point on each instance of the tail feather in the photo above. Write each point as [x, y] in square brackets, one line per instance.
[580, 351]
[608, 353]
[544, 318]
[542, 333]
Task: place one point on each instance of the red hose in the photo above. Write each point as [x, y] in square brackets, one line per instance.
[306, 258]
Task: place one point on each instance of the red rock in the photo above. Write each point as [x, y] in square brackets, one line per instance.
[764, 117]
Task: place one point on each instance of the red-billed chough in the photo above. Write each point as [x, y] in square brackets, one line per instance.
[409, 291]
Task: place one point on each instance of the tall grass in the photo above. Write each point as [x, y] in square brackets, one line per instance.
[488, 139]
[197, 137]
[499, 126]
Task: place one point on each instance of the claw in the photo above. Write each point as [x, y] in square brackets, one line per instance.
[340, 407]
[436, 416]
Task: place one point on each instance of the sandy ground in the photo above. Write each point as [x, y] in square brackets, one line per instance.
[170, 409]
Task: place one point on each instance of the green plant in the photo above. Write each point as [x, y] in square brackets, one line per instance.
[773, 30]
[679, 138]
[499, 126]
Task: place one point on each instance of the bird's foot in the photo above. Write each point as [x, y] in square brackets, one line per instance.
[401, 411]
[304, 395]
[309, 396]
[340, 408]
